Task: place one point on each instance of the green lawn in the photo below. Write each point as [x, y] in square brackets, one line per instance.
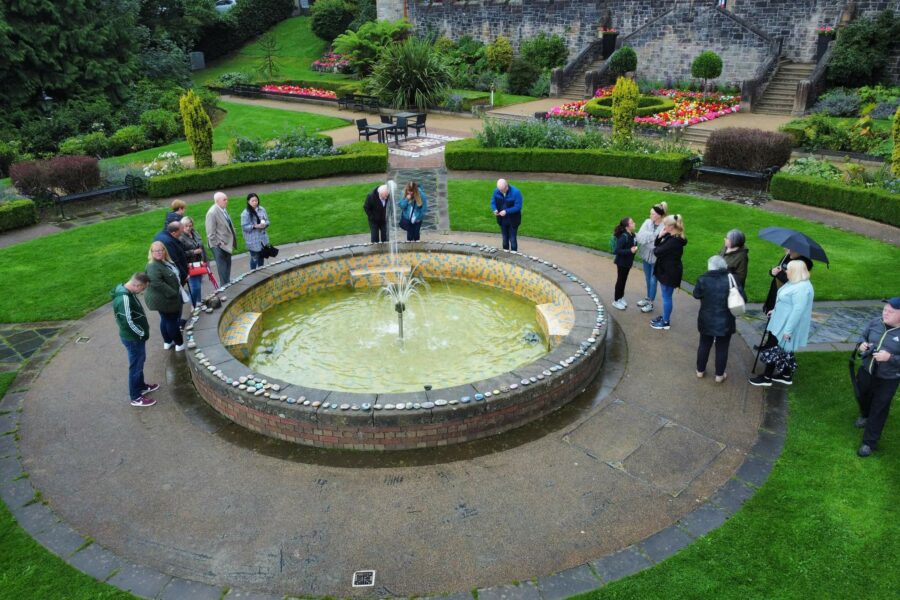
[299, 48]
[80, 266]
[825, 525]
[500, 99]
[242, 120]
[586, 215]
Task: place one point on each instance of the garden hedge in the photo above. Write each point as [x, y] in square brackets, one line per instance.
[870, 203]
[361, 157]
[467, 155]
[601, 108]
[17, 213]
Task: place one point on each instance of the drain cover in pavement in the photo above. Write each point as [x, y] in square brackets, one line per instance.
[364, 579]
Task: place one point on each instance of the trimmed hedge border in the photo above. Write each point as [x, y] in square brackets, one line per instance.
[468, 155]
[360, 157]
[17, 213]
[601, 108]
[870, 203]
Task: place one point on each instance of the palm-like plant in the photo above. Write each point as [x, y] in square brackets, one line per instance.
[410, 74]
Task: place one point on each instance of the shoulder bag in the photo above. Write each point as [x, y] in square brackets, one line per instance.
[735, 301]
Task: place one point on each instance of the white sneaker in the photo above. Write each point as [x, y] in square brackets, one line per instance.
[620, 304]
[647, 307]
[179, 348]
[167, 345]
[644, 302]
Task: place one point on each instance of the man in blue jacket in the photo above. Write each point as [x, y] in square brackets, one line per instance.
[507, 206]
[879, 374]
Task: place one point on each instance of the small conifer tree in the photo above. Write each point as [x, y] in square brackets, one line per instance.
[625, 98]
[197, 129]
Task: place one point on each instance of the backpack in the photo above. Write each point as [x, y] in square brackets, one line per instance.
[612, 244]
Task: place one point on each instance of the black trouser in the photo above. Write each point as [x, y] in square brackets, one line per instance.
[875, 395]
[770, 342]
[706, 343]
[621, 278]
[378, 230]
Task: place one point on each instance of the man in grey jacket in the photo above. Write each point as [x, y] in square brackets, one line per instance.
[879, 374]
[221, 236]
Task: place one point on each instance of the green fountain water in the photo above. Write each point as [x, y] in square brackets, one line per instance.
[348, 340]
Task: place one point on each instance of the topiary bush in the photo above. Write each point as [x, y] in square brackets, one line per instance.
[870, 203]
[544, 51]
[499, 54]
[410, 74]
[707, 65]
[330, 18]
[17, 213]
[747, 149]
[624, 107]
[623, 60]
[522, 75]
[197, 129]
[601, 108]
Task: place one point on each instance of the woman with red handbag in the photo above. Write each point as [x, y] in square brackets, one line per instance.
[196, 254]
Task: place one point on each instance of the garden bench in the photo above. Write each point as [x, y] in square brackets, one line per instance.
[346, 101]
[366, 103]
[243, 89]
[763, 176]
[132, 186]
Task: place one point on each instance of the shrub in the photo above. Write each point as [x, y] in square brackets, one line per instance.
[17, 213]
[233, 78]
[72, 174]
[813, 167]
[878, 93]
[838, 103]
[623, 60]
[130, 138]
[895, 155]
[165, 163]
[454, 102]
[624, 107]
[366, 11]
[522, 75]
[601, 108]
[707, 65]
[871, 203]
[470, 155]
[30, 178]
[360, 157]
[9, 153]
[330, 18]
[197, 129]
[160, 126]
[499, 54]
[544, 51]
[410, 74]
[541, 85]
[747, 149]
[291, 145]
[819, 131]
[255, 17]
[862, 50]
[92, 144]
[364, 48]
[884, 110]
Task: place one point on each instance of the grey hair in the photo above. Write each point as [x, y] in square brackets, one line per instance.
[736, 238]
[716, 263]
[186, 221]
[383, 189]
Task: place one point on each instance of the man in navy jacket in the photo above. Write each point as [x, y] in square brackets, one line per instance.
[507, 206]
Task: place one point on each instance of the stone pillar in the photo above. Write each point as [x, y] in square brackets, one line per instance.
[391, 10]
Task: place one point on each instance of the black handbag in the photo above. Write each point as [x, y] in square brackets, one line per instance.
[405, 223]
[784, 361]
[269, 251]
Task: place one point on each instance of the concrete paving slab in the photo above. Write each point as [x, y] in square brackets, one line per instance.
[703, 520]
[139, 580]
[97, 562]
[60, 539]
[621, 564]
[568, 583]
[35, 517]
[183, 589]
[523, 591]
[663, 544]
[16, 493]
[617, 431]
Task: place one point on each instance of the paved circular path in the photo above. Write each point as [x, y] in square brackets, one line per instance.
[191, 495]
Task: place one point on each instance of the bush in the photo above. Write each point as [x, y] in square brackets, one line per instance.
[838, 103]
[410, 74]
[72, 174]
[819, 131]
[165, 163]
[541, 86]
[862, 50]
[160, 126]
[601, 108]
[361, 157]
[130, 138]
[707, 65]
[624, 107]
[255, 17]
[366, 11]
[623, 60]
[291, 145]
[544, 51]
[9, 153]
[870, 203]
[747, 149]
[364, 48]
[330, 18]
[233, 78]
[813, 167]
[92, 144]
[17, 213]
[499, 54]
[884, 110]
[30, 178]
[522, 75]
[197, 129]
[470, 155]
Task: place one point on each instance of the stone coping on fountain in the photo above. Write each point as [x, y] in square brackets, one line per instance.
[396, 421]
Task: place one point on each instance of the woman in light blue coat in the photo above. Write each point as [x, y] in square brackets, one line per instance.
[789, 325]
[413, 206]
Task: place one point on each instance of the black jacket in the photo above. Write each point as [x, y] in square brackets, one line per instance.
[624, 255]
[668, 268]
[714, 317]
[176, 253]
[376, 213]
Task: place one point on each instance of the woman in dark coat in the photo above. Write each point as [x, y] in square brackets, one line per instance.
[736, 255]
[625, 249]
[714, 321]
[668, 269]
[164, 295]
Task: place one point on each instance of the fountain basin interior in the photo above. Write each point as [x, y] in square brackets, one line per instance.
[344, 404]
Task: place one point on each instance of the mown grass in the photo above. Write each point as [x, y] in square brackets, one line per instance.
[242, 120]
[586, 215]
[500, 99]
[826, 524]
[80, 266]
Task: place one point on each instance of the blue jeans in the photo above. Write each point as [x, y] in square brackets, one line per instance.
[223, 265]
[256, 259]
[137, 354]
[650, 278]
[195, 283]
[667, 301]
[169, 327]
[509, 236]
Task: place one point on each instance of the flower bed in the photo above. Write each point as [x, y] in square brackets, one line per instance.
[331, 62]
[296, 90]
[690, 108]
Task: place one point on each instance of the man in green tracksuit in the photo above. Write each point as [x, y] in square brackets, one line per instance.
[134, 332]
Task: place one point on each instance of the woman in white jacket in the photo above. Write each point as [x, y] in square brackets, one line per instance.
[645, 237]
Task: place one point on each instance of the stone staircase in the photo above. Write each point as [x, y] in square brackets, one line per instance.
[778, 98]
[575, 89]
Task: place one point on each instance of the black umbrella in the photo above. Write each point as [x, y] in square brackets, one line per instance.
[794, 240]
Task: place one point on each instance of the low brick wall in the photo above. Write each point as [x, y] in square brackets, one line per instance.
[334, 419]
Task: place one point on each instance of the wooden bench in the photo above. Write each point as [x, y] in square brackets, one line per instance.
[763, 176]
[132, 186]
[366, 103]
[346, 101]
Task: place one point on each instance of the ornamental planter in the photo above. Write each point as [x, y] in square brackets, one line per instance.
[608, 43]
